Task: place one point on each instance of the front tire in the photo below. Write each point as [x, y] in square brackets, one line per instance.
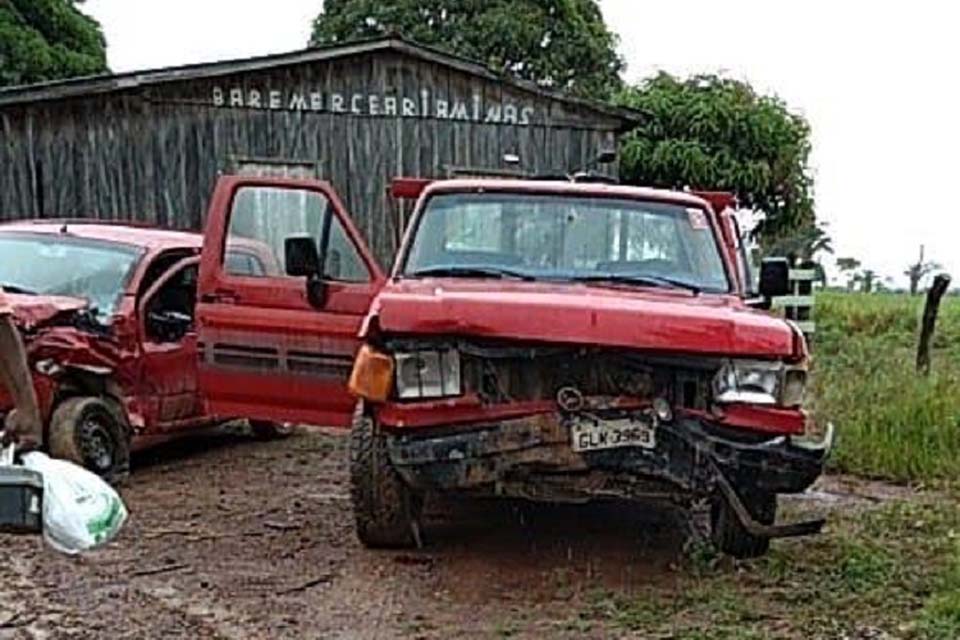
[386, 509]
[729, 534]
[92, 432]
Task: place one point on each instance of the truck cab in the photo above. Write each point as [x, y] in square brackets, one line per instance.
[547, 340]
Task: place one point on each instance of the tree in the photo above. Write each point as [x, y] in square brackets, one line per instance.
[867, 279]
[43, 40]
[849, 266]
[710, 132]
[803, 243]
[560, 44]
[918, 271]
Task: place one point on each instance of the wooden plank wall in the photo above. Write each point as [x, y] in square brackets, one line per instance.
[153, 154]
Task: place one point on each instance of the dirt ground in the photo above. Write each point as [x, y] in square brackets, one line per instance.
[233, 538]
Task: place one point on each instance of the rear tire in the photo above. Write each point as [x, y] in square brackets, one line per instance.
[93, 433]
[386, 509]
[730, 536]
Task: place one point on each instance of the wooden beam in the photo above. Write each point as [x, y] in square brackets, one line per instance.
[793, 301]
[803, 274]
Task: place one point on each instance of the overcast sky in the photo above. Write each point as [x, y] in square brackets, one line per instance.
[876, 80]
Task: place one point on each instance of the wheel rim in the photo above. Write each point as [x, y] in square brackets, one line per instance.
[96, 442]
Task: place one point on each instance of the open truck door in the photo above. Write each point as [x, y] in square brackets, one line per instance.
[285, 282]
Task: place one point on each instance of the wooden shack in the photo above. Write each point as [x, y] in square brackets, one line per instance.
[148, 146]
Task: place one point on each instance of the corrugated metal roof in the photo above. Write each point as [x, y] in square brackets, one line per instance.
[109, 83]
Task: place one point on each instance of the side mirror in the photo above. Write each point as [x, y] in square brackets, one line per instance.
[607, 156]
[774, 277]
[303, 261]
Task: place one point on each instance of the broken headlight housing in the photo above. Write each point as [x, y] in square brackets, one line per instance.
[428, 374]
[760, 382]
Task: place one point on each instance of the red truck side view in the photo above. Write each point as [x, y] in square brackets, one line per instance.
[554, 341]
[106, 312]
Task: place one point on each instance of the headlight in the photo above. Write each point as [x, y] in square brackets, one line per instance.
[794, 386]
[428, 374]
[760, 382]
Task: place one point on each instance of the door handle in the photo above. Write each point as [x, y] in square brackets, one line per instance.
[220, 296]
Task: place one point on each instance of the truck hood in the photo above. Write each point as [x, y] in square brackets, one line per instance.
[30, 311]
[646, 319]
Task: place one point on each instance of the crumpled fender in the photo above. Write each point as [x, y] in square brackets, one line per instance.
[30, 312]
[58, 344]
[56, 351]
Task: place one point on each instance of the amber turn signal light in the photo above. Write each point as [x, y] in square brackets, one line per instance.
[372, 375]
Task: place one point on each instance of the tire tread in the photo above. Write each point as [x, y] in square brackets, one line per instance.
[385, 508]
[62, 436]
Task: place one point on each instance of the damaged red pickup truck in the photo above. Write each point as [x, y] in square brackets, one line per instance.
[548, 340]
[106, 312]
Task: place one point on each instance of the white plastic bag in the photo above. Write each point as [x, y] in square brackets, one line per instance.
[7, 455]
[80, 510]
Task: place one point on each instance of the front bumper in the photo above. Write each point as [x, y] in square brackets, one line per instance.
[533, 458]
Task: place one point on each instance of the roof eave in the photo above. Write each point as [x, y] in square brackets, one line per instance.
[98, 85]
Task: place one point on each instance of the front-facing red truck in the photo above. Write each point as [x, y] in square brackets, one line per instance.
[551, 340]
[564, 341]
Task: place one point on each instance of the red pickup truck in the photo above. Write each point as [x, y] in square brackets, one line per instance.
[106, 312]
[549, 340]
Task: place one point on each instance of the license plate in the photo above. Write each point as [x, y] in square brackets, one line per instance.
[612, 434]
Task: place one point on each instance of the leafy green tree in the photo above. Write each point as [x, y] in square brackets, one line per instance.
[804, 245]
[709, 132]
[849, 266]
[44, 40]
[867, 279]
[562, 44]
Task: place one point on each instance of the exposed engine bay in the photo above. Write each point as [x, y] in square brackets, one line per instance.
[577, 378]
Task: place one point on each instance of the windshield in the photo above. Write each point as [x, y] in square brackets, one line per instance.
[556, 237]
[65, 266]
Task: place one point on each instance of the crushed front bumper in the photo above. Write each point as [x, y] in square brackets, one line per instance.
[533, 458]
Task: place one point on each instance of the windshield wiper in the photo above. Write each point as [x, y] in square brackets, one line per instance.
[656, 281]
[471, 272]
[10, 288]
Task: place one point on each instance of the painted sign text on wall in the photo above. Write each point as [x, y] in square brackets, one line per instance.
[372, 104]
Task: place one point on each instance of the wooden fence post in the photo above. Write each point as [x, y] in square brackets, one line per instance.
[940, 285]
[798, 306]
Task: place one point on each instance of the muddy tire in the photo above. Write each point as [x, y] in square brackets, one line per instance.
[267, 430]
[729, 535]
[386, 509]
[93, 433]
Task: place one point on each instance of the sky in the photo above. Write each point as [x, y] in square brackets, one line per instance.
[876, 80]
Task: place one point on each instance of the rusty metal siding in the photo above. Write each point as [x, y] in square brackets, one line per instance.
[152, 153]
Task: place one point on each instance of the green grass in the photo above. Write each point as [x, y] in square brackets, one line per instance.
[878, 571]
[940, 617]
[894, 569]
[891, 423]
